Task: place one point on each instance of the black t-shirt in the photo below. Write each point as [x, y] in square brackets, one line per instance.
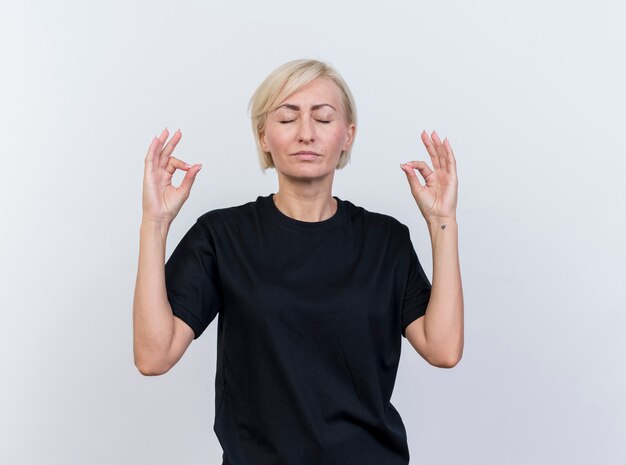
[311, 316]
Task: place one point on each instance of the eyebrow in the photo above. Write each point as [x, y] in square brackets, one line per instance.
[313, 107]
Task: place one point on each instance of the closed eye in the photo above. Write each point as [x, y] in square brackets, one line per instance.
[292, 120]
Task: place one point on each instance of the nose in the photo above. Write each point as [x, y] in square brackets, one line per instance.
[305, 130]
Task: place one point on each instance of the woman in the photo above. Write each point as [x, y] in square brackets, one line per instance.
[313, 292]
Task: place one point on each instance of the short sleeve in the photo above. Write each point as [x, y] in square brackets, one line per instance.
[192, 279]
[417, 291]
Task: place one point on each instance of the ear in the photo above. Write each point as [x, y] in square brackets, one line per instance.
[263, 140]
[349, 136]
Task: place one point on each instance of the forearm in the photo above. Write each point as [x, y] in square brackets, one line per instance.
[153, 322]
[443, 322]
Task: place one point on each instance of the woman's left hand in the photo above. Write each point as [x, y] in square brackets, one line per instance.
[437, 199]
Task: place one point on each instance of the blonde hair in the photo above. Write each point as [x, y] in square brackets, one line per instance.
[284, 81]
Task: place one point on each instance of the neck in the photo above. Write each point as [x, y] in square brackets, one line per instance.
[310, 207]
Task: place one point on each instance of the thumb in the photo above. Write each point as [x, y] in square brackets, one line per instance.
[189, 178]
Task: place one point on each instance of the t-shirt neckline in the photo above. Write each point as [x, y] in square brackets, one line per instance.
[328, 224]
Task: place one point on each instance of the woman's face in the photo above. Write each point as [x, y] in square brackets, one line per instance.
[307, 132]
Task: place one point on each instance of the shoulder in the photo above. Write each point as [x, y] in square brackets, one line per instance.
[375, 220]
[227, 215]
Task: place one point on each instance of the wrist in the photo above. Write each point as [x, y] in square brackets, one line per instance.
[153, 225]
[439, 221]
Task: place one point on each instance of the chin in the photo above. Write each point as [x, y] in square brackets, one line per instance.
[307, 172]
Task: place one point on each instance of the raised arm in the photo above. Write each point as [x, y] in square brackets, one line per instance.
[159, 338]
[438, 336]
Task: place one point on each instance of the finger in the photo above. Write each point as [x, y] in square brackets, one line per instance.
[169, 148]
[149, 160]
[421, 166]
[414, 181]
[430, 148]
[163, 136]
[440, 151]
[189, 178]
[158, 148]
[450, 156]
[174, 163]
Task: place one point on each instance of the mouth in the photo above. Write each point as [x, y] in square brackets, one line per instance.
[306, 155]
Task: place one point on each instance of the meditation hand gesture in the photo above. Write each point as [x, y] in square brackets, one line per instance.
[437, 199]
[161, 200]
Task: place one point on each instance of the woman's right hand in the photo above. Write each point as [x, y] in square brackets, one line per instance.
[161, 200]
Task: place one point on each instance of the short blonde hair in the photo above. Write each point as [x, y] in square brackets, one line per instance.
[284, 81]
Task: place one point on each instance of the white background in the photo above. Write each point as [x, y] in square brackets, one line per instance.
[531, 96]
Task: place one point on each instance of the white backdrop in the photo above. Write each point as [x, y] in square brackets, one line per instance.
[531, 96]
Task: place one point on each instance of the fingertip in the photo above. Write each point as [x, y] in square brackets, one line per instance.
[193, 171]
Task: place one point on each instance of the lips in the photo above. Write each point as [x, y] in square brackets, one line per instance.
[306, 155]
[306, 152]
